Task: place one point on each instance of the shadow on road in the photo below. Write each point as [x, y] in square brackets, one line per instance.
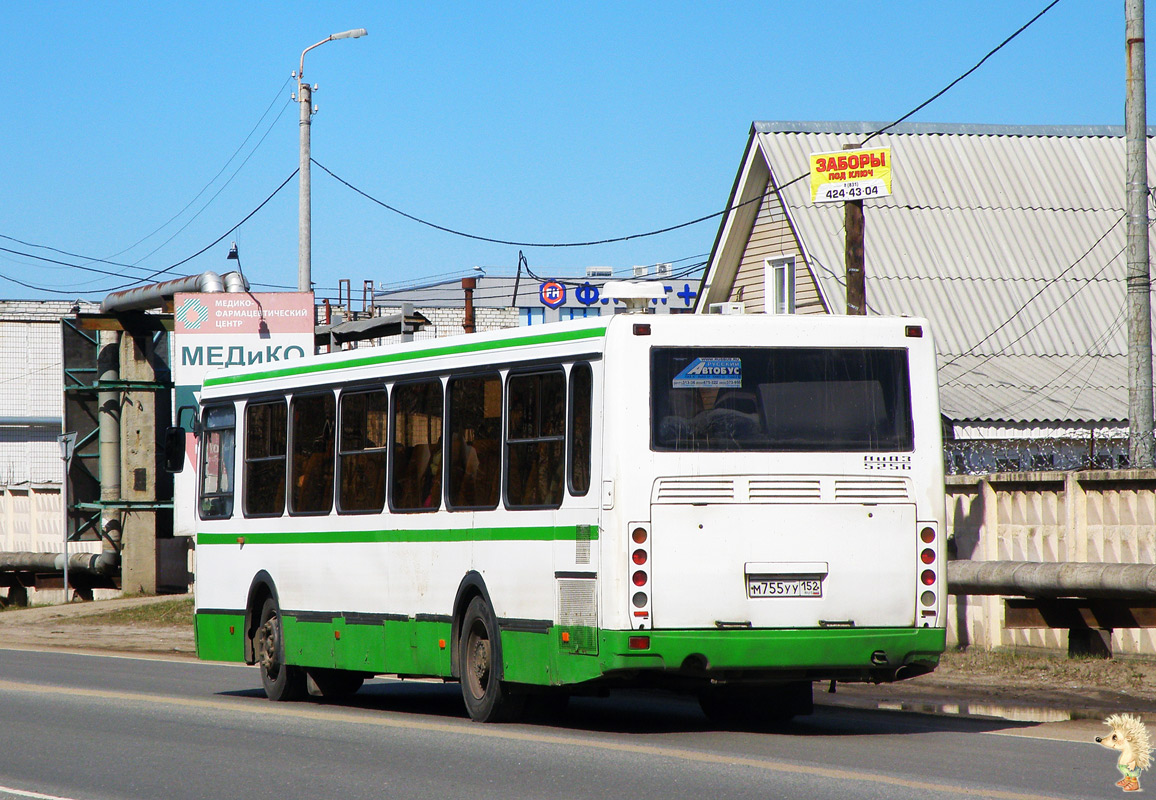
[651, 712]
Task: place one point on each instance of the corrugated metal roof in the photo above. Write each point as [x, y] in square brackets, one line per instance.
[1011, 240]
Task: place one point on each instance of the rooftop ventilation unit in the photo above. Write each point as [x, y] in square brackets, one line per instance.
[726, 308]
[600, 272]
[663, 270]
[641, 271]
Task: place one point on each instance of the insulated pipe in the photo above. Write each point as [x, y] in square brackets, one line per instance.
[235, 282]
[154, 296]
[1051, 579]
[108, 402]
[104, 564]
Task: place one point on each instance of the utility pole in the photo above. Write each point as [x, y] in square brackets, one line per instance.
[854, 258]
[1140, 442]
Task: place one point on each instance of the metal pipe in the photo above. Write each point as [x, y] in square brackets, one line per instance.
[154, 296]
[1051, 579]
[31, 422]
[104, 564]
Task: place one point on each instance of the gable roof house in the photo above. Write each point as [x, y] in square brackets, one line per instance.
[1011, 241]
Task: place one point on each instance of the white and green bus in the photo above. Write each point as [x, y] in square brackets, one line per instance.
[733, 506]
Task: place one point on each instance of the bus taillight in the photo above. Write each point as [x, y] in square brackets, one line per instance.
[927, 556]
[640, 555]
[927, 535]
[928, 577]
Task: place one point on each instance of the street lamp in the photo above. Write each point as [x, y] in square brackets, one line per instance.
[305, 98]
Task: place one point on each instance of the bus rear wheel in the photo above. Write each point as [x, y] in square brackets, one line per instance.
[487, 698]
[282, 681]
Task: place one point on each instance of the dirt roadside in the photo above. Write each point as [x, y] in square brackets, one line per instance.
[1027, 687]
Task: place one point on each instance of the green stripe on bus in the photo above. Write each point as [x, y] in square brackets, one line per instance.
[520, 534]
[390, 358]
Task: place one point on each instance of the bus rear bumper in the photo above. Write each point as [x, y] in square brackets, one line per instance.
[854, 654]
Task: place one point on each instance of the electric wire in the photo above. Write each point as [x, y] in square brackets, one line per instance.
[949, 86]
[772, 186]
[221, 171]
[224, 186]
[213, 243]
[1052, 282]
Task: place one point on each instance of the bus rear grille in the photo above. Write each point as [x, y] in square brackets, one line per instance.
[695, 490]
[767, 490]
[871, 491]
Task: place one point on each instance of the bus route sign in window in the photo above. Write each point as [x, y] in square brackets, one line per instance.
[780, 399]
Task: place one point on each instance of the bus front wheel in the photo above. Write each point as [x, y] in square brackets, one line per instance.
[487, 698]
[281, 681]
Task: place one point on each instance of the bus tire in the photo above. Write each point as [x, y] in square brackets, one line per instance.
[282, 682]
[487, 698]
[333, 684]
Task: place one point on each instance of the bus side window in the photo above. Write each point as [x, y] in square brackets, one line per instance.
[218, 444]
[361, 454]
[311, 467]
[416, 450]
[536, 440]
[581, 389]
[475, 423]
[265, 459]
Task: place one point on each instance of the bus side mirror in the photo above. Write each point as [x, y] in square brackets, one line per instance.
[174, 451]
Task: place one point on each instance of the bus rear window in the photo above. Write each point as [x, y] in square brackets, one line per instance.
[779, 399]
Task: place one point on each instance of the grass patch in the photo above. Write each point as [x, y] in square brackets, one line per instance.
[1037, 670]
[164, 614]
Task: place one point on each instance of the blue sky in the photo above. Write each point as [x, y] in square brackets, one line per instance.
[542, 122]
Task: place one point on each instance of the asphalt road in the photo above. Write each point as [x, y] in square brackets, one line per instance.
[104, 728]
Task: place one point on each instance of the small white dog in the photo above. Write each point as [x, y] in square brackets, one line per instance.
[1130, 737]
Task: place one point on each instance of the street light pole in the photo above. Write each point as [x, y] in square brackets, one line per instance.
[305, 98]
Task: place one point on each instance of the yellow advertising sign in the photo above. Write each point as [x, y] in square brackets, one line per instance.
[850, 175]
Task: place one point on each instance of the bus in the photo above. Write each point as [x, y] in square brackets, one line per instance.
[732, 506]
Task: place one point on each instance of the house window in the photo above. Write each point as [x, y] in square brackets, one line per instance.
[780, 285]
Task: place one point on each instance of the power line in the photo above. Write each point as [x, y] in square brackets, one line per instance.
[1053, 282]
[219, 173]
[223, 186]
[512, 243]
[216, 241]
[949, 86]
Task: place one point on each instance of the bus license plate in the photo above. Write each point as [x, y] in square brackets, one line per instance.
[780, 587]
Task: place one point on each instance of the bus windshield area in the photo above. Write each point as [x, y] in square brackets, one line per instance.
[780, 399]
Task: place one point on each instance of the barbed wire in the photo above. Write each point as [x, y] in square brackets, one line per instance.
[1061, 453]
